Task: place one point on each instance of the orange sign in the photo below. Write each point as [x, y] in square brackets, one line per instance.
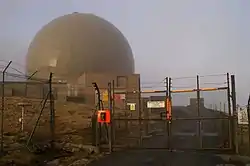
[168, 109]
[103, 116]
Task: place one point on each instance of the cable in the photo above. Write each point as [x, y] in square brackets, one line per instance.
[179, 78]
[146, 87]
[158, 85]
[212, 75]
[160, 82]
[182, 87]
[213, 83]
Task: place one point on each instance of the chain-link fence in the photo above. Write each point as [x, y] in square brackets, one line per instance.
[243, 128]
[34, 111]
[196, 114]
[41, 112]
[202, 111]
[23, 100]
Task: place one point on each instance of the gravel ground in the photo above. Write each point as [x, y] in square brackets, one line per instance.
[164, 157]
[159, 157]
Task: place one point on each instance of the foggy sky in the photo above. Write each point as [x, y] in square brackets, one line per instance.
[168, 37]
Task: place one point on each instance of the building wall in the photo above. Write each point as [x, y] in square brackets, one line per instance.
[81, 91]
[127, 86]
[193, 102]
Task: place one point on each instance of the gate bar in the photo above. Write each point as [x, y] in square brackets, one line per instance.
[131, 147]
[173, 119]
[201, 89]
[175, 91]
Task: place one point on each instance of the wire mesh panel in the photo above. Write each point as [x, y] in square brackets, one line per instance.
[184, 132]
[200, 113]
[214, 104]
[138, 125]
[24, 103]
[178, 117]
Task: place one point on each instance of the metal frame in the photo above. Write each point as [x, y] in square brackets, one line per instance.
[168, 91]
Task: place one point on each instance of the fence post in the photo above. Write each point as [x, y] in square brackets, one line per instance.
[95, 125]
[26, 84]
[248, 116]
[166, 105]
[2, 110]
[230, 123]
[52, 111]
[139, 109]
[234, 125]
[198, 110]
[170, 120]
[111, 112]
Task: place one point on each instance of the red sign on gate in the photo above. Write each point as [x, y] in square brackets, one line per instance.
[168, 109]
[103, 116]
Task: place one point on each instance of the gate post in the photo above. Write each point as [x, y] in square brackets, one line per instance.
[169, 120]
[110, 125]
[198, 111]
[95, 125]
[230, 124]
[248, 117]
[113, 111]
[166, 106]
[234, 122]
[140, 110]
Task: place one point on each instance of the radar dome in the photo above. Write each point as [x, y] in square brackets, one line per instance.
[80, 43]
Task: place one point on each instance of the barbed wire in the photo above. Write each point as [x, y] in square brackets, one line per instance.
[159, 84]
[182, 87]
[148, 87]
[213, 75]
[13, 62]
[194, 77]
[20, 72]
[25, 77]
[213, 83]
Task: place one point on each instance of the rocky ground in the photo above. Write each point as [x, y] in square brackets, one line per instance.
[72, 134]
[63, 154]
[68, 150]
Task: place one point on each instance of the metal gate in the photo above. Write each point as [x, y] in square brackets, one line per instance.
[166, 120]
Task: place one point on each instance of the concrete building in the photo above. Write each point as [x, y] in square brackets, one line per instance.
[193, 102]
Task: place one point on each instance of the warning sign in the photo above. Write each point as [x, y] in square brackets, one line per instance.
[132, 106]
[105, 96]
[156, 104]
[103, 116]
[169, 109]
[242, 115]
